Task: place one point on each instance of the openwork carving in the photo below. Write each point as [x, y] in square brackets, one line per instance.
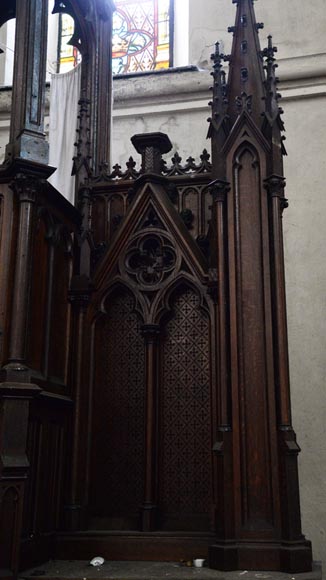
[118, 456]
[185, 420]
[190, 167]
[150, 259]
[176, 169]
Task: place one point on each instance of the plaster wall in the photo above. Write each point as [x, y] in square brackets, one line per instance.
[7, 44]
[298, 27]
[176, 103]
[305, 242]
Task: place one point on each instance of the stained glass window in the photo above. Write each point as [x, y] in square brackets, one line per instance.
[141, 38]
[69, 56]
[141, 35]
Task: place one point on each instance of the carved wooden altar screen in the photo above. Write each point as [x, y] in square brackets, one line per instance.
[144, 353]
[153, 330]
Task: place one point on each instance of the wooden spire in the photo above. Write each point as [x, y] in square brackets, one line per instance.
[258, 514]
[246, 78]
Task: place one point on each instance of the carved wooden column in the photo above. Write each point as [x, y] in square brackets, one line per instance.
[93, 38]
[151, 146]
[27, 137]
[149, 514]
[25, 188]
[224, 519]
[14, 466]
[75, 507]
[26, 156]
[85, 207]
[102, 83]
[16, 390]
[262, 497]
[219, 191]
[289, 449]
[275, 187]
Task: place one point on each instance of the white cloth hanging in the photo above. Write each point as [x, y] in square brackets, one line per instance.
[64, 97]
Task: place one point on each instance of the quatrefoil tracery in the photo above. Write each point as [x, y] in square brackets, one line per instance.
[150, 259]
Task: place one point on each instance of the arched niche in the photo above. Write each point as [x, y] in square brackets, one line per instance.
[185, 414]
[118, 415]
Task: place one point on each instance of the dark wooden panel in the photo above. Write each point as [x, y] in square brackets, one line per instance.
[100, 218]
[185, 468]
[47, 446]
[38, 299]
[150, 547]
[8, 514]
[60, 315]
[118, 417]
[191, 198]
[251, 244]
[116, 212]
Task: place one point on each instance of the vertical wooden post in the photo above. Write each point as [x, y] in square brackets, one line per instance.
[27, 156]
[224, 521]
[75, 507]
[16, 391]
[27, 138]
[247, 145]
[293, 555]
[275, 187]
[219, 190]
[25, 189]
[14, 466]
[149, 514]
[103, 82]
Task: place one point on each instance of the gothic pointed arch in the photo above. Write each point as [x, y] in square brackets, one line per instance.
[154, 263]
[118, 411]
[186, 464]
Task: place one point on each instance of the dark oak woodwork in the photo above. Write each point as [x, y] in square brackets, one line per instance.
[186, 476]
[118, 455]
[37, 213]
[144, 266]
[258, 451]
[143, 340]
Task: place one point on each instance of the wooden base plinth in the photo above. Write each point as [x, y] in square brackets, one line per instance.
[293, 557]
[296, 557]
[158, 546]
[36, 550]
[149, 518]
[7, 574]
[75, 517]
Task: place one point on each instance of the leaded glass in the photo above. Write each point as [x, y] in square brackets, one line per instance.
[141, 35]
[69, 56]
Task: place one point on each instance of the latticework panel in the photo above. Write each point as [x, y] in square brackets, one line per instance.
[118, 419]
[185, 488]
